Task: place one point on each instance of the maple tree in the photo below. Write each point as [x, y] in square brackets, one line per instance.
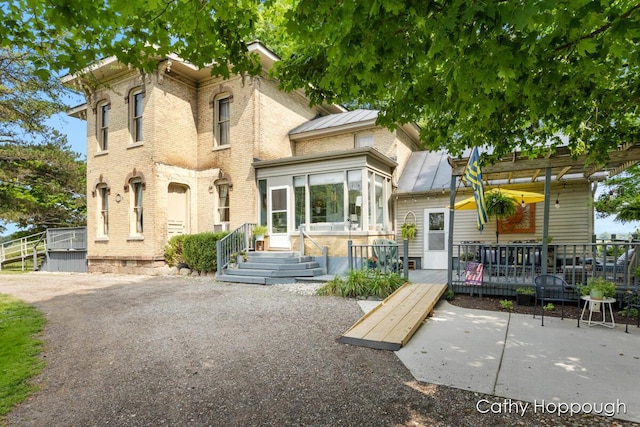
[511, 75]
[73, 34]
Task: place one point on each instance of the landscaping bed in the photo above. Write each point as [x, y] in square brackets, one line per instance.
[492, 303]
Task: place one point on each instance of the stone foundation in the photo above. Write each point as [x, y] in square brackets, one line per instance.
[150, 267]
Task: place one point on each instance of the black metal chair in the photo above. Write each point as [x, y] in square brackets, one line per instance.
[632, 298]
[386, 253]
[551, 288]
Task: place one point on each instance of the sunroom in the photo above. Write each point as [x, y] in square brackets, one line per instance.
[332, 196]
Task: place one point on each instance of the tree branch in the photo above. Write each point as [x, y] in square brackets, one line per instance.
[599, 30]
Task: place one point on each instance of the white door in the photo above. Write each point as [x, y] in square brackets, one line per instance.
[436, 226]
[177, 210]
[279, 218]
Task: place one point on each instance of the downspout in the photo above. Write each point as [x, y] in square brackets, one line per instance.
[452, 201]
[545, 221]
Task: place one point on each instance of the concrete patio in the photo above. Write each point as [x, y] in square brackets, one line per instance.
[555, 368]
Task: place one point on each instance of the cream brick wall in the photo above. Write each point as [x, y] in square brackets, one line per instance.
[177, 147]
[325, 144]
[385, 141]
[121, 158]
[234, 160]
[279, 113]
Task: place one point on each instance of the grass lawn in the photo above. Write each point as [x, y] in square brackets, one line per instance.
[20, 324]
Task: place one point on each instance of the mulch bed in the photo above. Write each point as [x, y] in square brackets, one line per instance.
[571, 311]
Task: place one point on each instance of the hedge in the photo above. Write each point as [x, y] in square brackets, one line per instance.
[198, 251]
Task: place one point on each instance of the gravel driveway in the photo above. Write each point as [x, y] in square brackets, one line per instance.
[185, 351]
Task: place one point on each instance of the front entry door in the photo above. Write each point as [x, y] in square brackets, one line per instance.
[279, 218]
[436, 225]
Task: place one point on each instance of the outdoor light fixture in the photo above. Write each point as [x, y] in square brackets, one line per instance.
[558, 201]
[522, 203]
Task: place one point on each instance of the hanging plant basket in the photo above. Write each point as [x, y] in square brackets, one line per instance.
[499, 206]
[409, 229]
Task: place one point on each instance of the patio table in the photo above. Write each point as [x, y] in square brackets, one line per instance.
[603, 308]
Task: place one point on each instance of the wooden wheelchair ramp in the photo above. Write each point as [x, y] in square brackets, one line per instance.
[390, 325]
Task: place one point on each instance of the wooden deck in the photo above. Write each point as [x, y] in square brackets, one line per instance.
[391, 324]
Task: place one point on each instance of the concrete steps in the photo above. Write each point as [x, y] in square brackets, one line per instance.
[267, 268]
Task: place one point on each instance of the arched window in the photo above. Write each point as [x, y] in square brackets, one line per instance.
[221, 101]
[221, 120]
[135, 184]
[136, 189]
[102, 195]
[102, 124]
[223, 200]
[135, 114]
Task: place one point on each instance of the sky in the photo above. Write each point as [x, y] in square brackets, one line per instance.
[76, 131]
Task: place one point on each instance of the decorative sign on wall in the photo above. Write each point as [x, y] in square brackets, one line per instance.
[524, 221]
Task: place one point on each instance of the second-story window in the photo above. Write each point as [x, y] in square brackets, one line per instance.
[364, 140]
[103, 126]
[222, 120]
[135, 114]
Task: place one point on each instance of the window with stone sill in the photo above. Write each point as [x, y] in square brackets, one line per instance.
[103, 125]
[135, 115]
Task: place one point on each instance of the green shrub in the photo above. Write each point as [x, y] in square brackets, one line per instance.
[506, 304]
[549, 307]
[632, 312]
[449, 295]
[174, 250]
[363, 283]
[200, 251]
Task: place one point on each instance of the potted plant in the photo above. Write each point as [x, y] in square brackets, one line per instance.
[598, 288]
[232, 261]
[259, 231]
[525, 295]
[408, 230]
[372, 262]
[499, 206]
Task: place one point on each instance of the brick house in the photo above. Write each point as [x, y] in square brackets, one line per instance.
[177, 151]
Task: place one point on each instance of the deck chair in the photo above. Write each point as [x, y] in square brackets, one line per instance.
[632, 298]
[386, 253]
[551, 288]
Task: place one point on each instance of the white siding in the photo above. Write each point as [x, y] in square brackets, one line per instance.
[572, 222]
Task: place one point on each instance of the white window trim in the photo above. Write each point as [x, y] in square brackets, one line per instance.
[228, 207]
[216, 121]
[136, 221]
[102, 131]
[364, 136]
[102, 231]
[136, 122]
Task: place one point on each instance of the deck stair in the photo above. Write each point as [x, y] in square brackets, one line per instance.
[391, 324]
[267, 268]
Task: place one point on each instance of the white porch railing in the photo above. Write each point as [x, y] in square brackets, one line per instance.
[18, 250]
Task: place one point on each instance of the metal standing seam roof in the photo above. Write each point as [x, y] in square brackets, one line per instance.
[425, 171]
[336, 120]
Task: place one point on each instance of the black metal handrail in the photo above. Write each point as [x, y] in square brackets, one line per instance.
[507, 266]
[384, 257]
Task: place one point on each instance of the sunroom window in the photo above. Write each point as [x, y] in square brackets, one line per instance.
[326, 195]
